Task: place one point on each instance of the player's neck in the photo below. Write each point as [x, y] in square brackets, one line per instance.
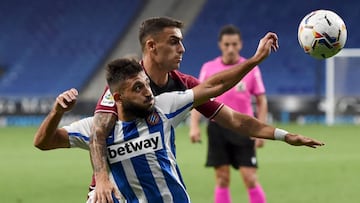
[230, 60]
[157, 74]
[125, 117]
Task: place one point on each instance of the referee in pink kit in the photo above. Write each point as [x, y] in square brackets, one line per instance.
[225, 149]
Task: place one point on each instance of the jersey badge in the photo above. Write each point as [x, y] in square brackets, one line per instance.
[153, 118]
[241, 87]
[108, 99]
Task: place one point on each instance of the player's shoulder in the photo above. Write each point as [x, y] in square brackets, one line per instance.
[184, 78]
[84, 124]
[179, 74]
[167, 96]
[175, 101]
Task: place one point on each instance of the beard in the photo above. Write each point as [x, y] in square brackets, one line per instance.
[131, 108]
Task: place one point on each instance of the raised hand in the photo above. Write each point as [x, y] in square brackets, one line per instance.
[66, 100]
[267, 44]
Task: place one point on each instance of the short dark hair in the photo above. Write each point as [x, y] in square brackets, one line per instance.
[153, 26]
[229, 30]
[120, 70]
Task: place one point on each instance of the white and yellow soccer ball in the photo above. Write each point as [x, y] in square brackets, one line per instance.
[322, 34]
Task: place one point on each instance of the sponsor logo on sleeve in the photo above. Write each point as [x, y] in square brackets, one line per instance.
[108, 99]
[135, 147]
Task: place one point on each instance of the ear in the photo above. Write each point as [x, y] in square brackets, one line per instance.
[150, 44]
[117, 96]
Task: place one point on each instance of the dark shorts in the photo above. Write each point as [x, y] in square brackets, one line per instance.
[228, 148]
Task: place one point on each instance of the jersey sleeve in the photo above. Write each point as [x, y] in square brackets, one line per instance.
[208, 109]
[175, 105]
[79, 133]
[106, 103]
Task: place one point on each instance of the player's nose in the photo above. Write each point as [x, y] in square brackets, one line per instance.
[181, 48]
[148, 92]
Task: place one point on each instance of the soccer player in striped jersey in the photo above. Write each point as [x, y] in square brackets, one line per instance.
[140, 149]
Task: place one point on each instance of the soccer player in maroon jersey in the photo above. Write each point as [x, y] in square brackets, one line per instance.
[162, 48]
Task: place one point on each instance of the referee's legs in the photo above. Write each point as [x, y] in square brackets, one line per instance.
[255, 191]
[222, 178]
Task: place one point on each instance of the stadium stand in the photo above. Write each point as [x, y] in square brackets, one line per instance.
[49, 46]
[186, 10]
[289, 71]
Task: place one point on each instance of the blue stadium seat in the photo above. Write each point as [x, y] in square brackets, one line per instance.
[50, 46]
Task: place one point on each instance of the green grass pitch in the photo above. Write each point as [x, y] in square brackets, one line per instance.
[329, 174]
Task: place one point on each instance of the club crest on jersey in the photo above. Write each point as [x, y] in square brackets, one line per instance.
[240, 87]
[153, 118]
[108, 99]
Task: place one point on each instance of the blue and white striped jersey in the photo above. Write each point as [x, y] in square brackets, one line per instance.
[141, 153]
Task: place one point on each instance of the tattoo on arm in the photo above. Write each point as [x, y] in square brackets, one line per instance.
[103, 123]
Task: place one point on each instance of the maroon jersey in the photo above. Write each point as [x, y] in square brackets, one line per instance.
[177, 82]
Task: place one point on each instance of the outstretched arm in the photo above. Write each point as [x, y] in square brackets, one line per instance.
[247, 125]
[223, 81]
[48, 135]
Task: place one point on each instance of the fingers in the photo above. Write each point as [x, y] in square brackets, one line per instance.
[272, 41]
[117, 194]
[274, 47]
[61, 102]
[106, 197]
[109, 199]
[67, 98]
[271, 44]
[192, 139]
[195, 139]
[267, 44]
[70, 95]
[195, 136]
[106, 193]
[73, 93]
[314, 143]
[95, 198]
[298, 140]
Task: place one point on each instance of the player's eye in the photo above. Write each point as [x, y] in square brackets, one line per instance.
[138, 88]
[174, 41]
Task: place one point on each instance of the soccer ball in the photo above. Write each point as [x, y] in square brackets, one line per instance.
[322, 34]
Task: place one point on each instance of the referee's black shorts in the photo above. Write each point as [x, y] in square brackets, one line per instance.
[228, 148]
